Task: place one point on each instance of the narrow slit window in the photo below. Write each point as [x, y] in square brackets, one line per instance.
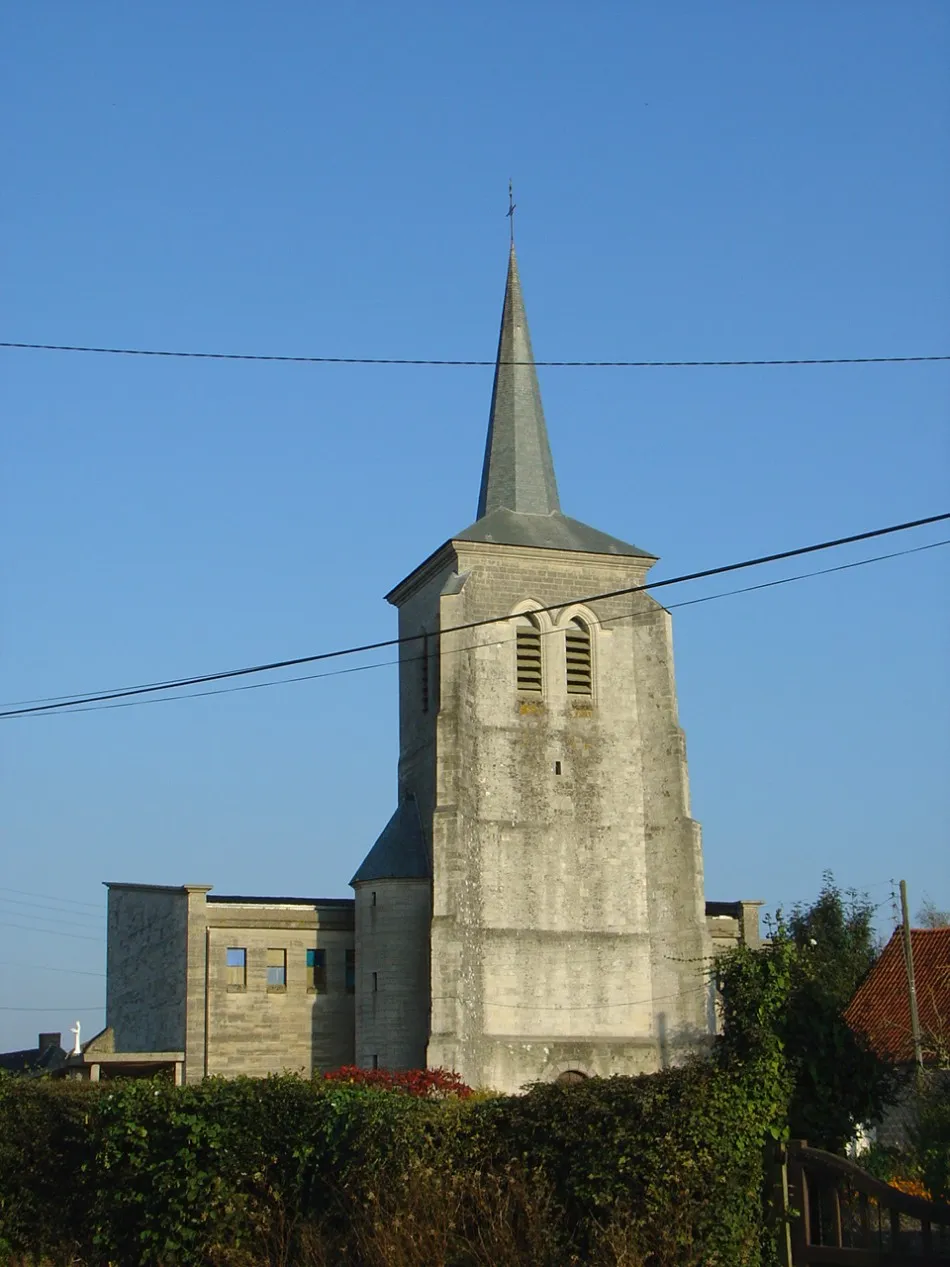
[530, 672]
[276, 969]
[350, 980]
[317, 970]
[425, 668]
[579, 673]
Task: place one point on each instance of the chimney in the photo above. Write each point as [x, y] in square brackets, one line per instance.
[49, 1040]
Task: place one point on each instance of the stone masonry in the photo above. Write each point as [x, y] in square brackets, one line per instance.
[169, 985]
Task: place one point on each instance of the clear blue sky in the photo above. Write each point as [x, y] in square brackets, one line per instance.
[694, 181]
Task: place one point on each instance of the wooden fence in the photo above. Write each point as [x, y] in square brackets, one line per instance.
[834, 1213]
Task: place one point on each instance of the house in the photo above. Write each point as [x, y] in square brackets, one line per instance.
[46, 1057]
[880, 1009]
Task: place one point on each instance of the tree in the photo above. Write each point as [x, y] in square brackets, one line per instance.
[930, 917]
[931, 1136]
[826, 949]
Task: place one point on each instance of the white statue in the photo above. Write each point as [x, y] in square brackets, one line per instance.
[77, 1050]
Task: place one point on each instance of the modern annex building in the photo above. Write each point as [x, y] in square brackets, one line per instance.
[534, 908]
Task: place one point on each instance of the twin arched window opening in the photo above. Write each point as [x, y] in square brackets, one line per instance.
[529, 660]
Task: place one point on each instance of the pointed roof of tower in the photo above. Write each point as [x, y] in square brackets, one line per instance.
[518, 472]
[518, 501]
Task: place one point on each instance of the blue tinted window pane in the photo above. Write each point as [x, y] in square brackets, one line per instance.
[311, 958]
[236, 957]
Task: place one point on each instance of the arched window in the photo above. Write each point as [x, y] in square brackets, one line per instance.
[570, 1078]
[580, 679]
[529, 669]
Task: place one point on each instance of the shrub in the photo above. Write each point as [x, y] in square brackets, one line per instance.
[665, 1168]
[931, 1136]
[428, 1084]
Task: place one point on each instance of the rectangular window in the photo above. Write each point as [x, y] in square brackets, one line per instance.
[351, 972]
[236, 960]
[276, 969]
[375, 1062]
[375, 982]
[317, 971]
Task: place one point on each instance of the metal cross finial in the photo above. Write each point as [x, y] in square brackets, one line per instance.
[511, 212]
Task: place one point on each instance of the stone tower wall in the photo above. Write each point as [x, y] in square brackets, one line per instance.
[568, 925]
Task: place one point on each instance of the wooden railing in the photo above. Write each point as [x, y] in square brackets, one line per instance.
[835, 1213]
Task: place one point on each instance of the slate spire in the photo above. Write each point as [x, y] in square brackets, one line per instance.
[518, 473]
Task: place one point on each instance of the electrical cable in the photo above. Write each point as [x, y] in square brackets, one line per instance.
[55, 910]
[385, 664]
[47, 932]
[52, 919]
[45, 967]
[273, 666]
[70, 1007]
[97, 906]
[396, 360]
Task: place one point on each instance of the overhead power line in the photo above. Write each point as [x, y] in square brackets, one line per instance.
[85, 922]
[47, 932]
[401, 360]
[71, 901]
[71, 912]
[45, 967]
[273, 666]
[69, 1007]
[385, 664]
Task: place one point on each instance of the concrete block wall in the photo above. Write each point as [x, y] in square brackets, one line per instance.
[167, 985]
[259, 1029]
[146, 966]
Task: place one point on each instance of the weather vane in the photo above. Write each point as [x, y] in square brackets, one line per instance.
[511, 212]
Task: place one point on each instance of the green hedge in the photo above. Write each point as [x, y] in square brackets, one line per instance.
[665, 1168]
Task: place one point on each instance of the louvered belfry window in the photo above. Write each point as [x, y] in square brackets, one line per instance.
[579, 675]
[529, 666]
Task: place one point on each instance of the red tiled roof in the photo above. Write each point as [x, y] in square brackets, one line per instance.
[881, 1008]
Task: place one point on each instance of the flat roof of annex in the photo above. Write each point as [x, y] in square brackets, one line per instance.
[338, 903]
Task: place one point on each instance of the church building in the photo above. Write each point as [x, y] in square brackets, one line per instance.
[534, 908]
[535, 904]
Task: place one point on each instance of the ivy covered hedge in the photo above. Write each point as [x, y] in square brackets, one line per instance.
[665, 1168]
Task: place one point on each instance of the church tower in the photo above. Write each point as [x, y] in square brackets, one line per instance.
[534, 908]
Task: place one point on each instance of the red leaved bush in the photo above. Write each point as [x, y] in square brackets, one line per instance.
[427, 1084]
